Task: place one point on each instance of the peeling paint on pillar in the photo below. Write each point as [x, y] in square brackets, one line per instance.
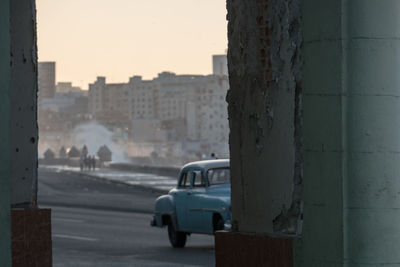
[265, 115]
[24, 130]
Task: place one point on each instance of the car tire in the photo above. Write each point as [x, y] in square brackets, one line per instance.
[219, 225]
[176, 238]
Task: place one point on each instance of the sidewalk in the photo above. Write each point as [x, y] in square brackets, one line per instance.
[145, 180]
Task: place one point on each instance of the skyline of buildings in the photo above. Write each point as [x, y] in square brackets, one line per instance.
[48, 68]
[187, 112]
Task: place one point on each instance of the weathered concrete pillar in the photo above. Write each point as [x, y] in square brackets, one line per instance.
[25, 232]
[351, 134]
[23, 96]
[264, 113]
[350, 153]
[264, 60]
[5, 229]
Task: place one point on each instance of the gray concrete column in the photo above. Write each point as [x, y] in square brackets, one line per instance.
[351, 133]
[264, 115]
[5, 230]
[264, 62]
[23, 96]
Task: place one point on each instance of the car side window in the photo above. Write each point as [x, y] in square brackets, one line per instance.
[185, 180]
[218, 176]
[198, 179]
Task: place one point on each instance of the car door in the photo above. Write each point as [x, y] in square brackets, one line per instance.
[195, 202]
[180, 196]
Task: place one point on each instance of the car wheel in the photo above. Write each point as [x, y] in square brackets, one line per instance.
[176, 238]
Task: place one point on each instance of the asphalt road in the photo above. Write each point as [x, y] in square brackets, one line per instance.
[95, 223]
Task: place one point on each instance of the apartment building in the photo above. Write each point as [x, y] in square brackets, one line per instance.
[109, 103]
[184, 107]
[46, 79]
[141, 98]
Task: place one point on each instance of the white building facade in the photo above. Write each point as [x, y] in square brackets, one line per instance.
[141, 98]
[187, 108]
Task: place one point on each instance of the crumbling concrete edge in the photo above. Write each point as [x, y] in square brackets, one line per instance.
[286, 68]
[34, 58]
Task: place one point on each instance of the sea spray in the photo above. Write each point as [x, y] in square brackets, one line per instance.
[95, 135]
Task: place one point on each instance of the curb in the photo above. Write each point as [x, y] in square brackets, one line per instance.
[101, 179]
[94, 207]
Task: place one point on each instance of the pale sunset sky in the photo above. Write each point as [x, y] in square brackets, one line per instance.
[122, 38]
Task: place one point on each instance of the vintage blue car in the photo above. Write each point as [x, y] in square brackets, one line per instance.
[199, 204]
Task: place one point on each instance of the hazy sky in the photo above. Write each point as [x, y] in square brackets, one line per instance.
[122, 38]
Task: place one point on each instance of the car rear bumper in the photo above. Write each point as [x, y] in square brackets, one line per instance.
[227, 226]
[153, 222]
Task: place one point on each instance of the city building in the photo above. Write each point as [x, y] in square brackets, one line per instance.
[141, 98]
[66, 87]
[207, 111]
[61, 107]
[96, 95]
[171, 95]
[108, 103]
[147, 130]
[46, 79]
[57, 116]
[220, 65]
[184, 108]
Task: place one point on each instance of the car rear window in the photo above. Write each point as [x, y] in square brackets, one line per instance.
[219, 176]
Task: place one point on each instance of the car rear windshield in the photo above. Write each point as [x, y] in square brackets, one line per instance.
[219, 176]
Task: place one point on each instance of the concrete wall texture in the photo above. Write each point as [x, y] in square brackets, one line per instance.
[264, 115]
[24, 130]
[5, 233]
[18, 135]
[351, 133]
[347, 144]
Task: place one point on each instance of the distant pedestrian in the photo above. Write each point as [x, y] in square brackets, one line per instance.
[86, 161]
[90, 165]
[93, 162]
[81, 162]
[84, 151]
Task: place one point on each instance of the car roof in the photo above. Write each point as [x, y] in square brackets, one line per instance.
[208, 164]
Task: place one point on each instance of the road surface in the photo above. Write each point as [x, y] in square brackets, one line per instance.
[95, 223]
